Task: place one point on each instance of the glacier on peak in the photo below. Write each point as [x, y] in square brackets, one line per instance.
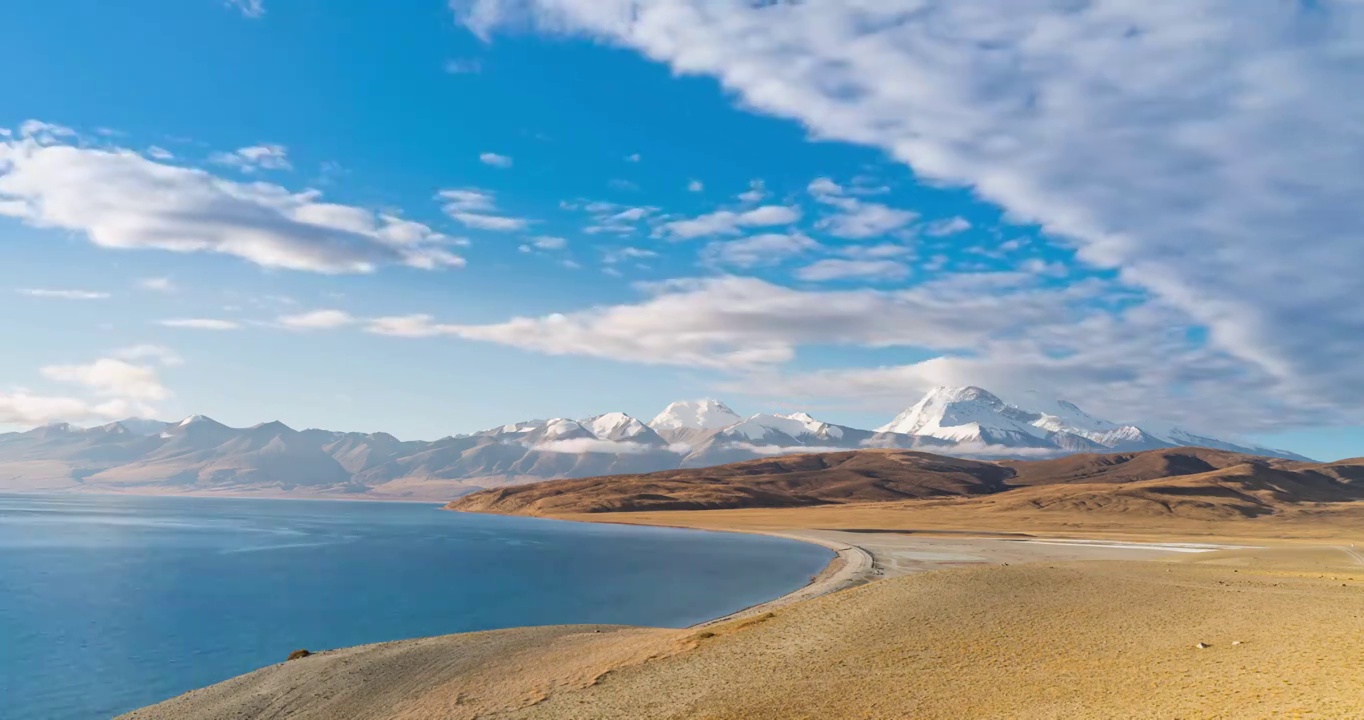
[695, 415]
[615, 426]
[965, 414]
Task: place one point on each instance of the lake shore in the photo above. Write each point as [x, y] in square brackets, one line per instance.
[190, 592]
[923, 626]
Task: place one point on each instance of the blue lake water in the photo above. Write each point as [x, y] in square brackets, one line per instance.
[111, 603]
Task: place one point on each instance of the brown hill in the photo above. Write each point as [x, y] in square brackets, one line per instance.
[1126, 467]
[787, 481]
[1193, 483]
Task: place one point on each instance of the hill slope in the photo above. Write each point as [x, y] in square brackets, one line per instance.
[1194, 483]
[790, 481]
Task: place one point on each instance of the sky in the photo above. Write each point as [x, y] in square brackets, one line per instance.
[431, 218]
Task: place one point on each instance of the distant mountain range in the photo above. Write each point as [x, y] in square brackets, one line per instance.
[200, 455]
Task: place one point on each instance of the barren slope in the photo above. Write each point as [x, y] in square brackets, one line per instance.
[789, 481]
[1190, 483]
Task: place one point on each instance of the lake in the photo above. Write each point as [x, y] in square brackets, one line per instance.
[109, 603]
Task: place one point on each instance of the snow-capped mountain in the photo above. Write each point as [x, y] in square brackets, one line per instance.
[978, 422]
[681, 422]
[619, 427]
[794, 429]
[199, 454]
[969, 415]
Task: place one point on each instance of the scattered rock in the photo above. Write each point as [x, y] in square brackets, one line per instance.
[299, 654]
[1202, 646]
[1235, 642]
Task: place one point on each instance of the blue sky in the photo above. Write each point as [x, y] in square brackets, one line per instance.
[435, 218]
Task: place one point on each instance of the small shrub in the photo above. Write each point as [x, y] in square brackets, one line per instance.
[299, 654]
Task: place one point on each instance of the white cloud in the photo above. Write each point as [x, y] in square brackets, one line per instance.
[25, 408]
[731, 322]
[410, 326]
[316, 320]
[467, 200]
[634, 214]
[1206, 150]
[255, 157]
[726, 222]
[756, 192]
[615, 218]
[1129, 367]
[495, 223]
[121, 200]
[463, 66]
[824, 187]
[858, 219]
[615, 229]
[201, 324]
[157, 284]
[157, 152]
[111, 377]
[696, 186]
[576, 446]
[633, 158]
[63, 294]
[248, 8]
[1037, 266]
[866, 220]
[836, 269]
[475, 208]
[778, 450]
[617, 255]
[548, 242]
[948, 226]
[117, 387]
[157, 353]
[44, 133]
[495, 160]
[767, 249]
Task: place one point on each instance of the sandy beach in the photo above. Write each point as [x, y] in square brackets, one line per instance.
[903, 623]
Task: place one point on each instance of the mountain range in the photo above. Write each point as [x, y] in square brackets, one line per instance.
[202, 456]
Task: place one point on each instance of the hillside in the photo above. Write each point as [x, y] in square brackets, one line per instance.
[790, 481]
[1193, 483]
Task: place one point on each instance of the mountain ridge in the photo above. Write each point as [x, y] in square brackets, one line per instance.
[200, 455]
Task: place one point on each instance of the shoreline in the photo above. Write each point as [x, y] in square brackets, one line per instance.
[853, 564]
[1031, 591]
[850, 566]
